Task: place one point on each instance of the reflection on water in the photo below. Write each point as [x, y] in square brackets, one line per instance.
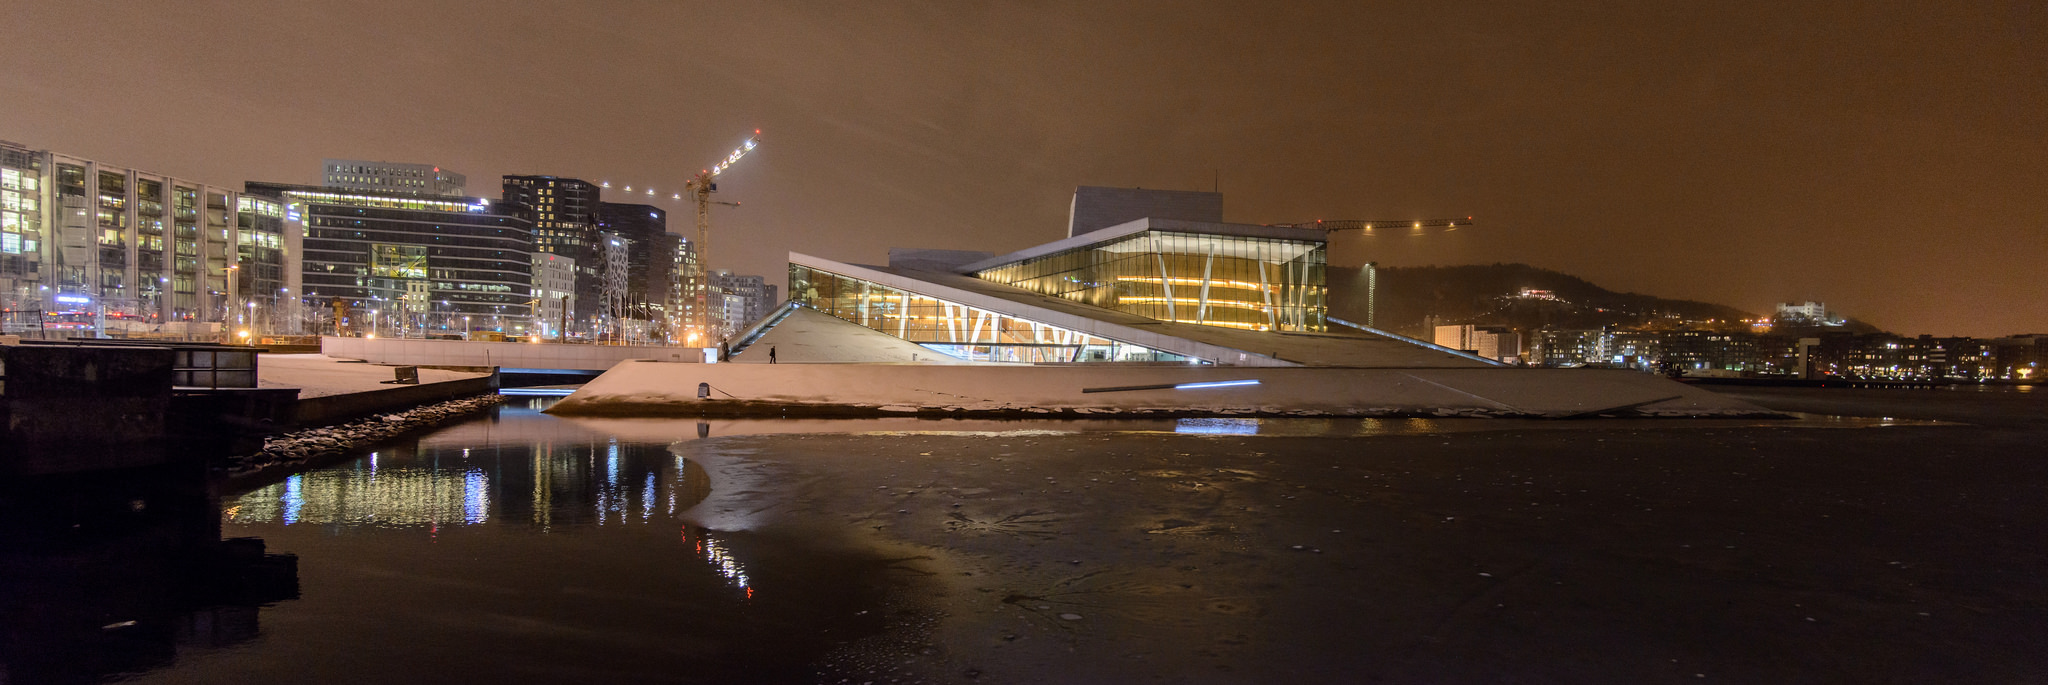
[523, 470]
[398, 497]
[1217, 426]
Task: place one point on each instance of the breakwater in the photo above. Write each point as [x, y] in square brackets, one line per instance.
[300, 448]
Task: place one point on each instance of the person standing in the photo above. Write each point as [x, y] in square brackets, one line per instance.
[771, 354]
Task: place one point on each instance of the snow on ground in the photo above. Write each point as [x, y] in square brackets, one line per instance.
[319, 375]
[656, 388]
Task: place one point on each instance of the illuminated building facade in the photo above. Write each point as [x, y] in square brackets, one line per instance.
[1258, 278]
[563, 213]
[399, 178]
[554, 292]
[737, 300]
[1185, 289]
[409, 265]
[87, 245]
[950, 325]
[685, 290]
[268, 270]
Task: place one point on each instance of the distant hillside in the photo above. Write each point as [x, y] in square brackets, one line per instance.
[1489, 294]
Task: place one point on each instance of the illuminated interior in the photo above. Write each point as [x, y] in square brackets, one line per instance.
[1244, 282]
[956, 329]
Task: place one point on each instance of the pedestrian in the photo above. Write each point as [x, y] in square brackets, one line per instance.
[771, 354]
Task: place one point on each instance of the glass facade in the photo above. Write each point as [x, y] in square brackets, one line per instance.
[88, 245]
[1252, 283]
[260, 258]
[411, 263]
[956, 329]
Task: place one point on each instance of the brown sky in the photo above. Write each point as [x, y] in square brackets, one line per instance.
[1890, 159]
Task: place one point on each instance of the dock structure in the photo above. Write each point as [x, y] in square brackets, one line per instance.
[99, 405]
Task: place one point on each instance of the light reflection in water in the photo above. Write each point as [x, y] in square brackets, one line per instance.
[726, 564]
[1217, 426]
[647, 499]
[443, 488]
[476, 498]
[390, 496]
[294, 498]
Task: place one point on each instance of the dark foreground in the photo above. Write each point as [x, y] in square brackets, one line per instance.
[536, 549]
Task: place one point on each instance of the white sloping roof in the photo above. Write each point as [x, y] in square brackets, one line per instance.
[807, 335]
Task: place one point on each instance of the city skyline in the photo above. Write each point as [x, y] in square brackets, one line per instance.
[1888, 164]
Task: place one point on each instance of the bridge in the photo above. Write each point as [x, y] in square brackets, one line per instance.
[510, 357]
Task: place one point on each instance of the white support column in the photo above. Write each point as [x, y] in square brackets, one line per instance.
[1267, 290]
[1160, 257]
[974, 336]
[1202, 313]
[903, 318]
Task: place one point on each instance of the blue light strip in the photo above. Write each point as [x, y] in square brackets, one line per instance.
[536, 392]
[1213, 384]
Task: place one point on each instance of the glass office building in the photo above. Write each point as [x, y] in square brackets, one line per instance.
[413, 263]
[956, 329]
[90, 245]
[1225, 279]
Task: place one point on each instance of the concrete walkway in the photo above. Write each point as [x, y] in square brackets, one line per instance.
[320, 376]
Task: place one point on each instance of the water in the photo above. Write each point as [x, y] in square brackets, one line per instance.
[521, 546]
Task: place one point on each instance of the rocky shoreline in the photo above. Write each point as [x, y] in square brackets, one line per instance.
[298, 448]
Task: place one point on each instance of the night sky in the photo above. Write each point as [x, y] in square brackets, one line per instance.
[1890, 159]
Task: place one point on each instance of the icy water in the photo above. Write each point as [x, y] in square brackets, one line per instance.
[521, 547]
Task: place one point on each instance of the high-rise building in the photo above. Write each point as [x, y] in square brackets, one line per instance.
[268, 269]
[563, 212]
[554, 292]
[685, 288]
[738, 300]
[650, 258]
[87, 245]
[400, 178]
[409, 265]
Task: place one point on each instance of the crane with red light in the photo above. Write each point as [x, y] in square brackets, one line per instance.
[700, 188]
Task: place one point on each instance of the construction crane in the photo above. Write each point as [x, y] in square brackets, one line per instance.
[700, 188]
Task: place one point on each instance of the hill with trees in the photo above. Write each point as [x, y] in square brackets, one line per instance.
[1411, 299]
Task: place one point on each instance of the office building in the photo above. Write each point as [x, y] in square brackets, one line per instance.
[563, 213]
[686, 290]
[395, 178]
[739, 300]
[554, 293]
[402, 264]
[91, 246]
[650, 258]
